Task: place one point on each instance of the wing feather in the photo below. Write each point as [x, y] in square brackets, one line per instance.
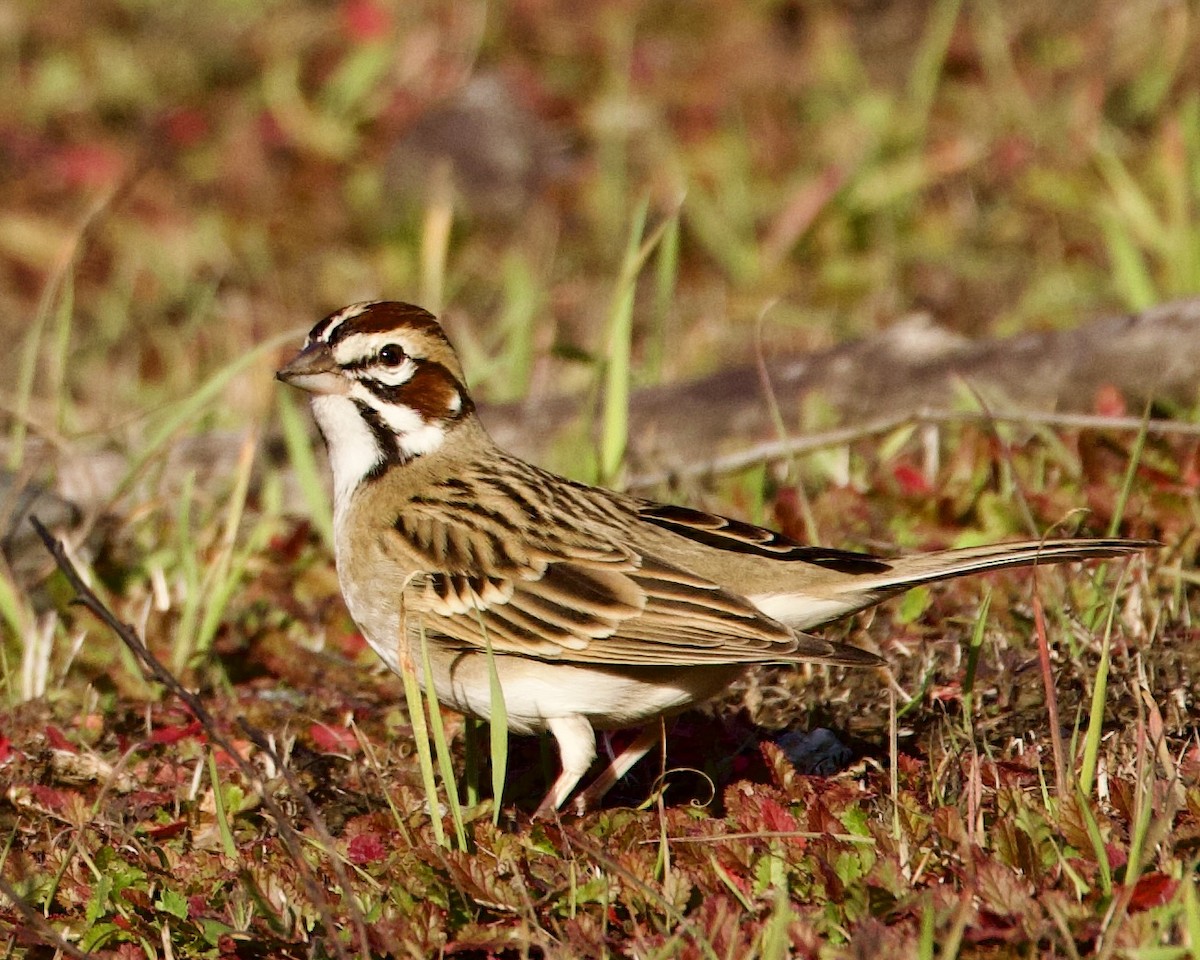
[584, 613]
[723, 533]
[504, 573]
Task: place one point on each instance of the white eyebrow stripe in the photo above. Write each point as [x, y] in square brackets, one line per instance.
[364, 346]
[326, 329]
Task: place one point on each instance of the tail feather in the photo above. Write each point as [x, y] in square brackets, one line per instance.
[815, 603]
[810, 649]
[914, 570]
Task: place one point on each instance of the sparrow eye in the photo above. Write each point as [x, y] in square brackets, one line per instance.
[391, 355]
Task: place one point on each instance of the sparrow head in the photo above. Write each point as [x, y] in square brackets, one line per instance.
[386, 386]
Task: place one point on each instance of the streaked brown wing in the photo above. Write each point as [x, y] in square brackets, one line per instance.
[655, 614]
[501, 569]
[723, 533]
[478, 532]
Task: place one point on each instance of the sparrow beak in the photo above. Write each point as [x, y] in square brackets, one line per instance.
[314, 369]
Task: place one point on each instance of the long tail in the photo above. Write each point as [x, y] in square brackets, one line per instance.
[914, 570]
[831, 598]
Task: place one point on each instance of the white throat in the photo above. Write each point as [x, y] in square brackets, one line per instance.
[354, 449]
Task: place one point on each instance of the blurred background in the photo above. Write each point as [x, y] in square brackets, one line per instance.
[182, 183]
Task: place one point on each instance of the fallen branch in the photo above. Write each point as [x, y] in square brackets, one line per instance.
[808, 443]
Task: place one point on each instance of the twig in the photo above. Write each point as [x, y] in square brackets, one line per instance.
[257, 737]
[768, 835]
[40, 925]
[154, 668]
[780, 449]
[1056, 738]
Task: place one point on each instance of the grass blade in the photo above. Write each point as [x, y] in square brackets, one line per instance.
[498, 726]
[1191, 914]
[220, 813]
[618, 374]
[1099, 851]
[415, 703]
[615, 430]
[191, 407]
[930, 59]
[445, 761]
[1135, 461]
[224, 574]
[1095, 727]
[968, 686]
[666, 274]
[1056, 740]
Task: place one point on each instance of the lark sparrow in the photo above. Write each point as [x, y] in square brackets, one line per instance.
[601, 610]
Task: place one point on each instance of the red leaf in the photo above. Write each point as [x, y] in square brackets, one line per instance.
[1152, 890]
[1190, 473]
[1190, 764]
[366, 848]
[136, 896]
[224, 760]
[185, 127]
[946, 692]
[49, 797]
[58, 741]
[167, 830]
[910, 765]
[270, 132]
[777, 819]
[333, 739]
[166, 735]
[988, 927]
[88, 165]
[1159, 478]
[6, 749]
[788, 514]
[365, 20]
[1008, 773]
[912, 481]
[351, 643]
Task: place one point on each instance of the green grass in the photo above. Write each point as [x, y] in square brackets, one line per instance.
[442, 747]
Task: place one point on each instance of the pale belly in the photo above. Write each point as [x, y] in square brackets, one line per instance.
[535, 691]
[609, 697]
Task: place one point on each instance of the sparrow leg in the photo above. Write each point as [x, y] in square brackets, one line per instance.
[622, 763]
[576, 750]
